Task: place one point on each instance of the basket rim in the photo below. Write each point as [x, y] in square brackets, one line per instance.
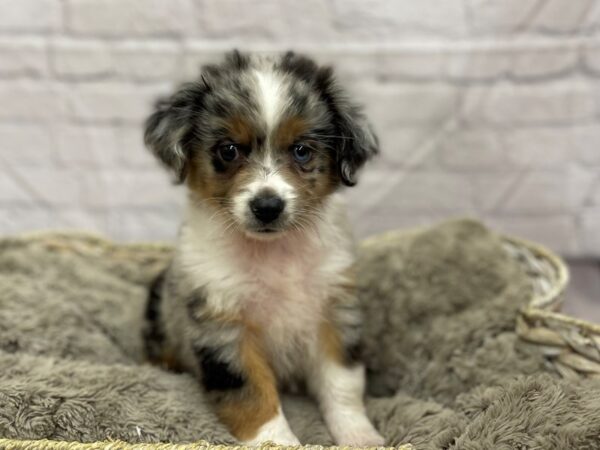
[33, 444]
[557, 262]
[89, 236]
[532, 312]
[163, 246]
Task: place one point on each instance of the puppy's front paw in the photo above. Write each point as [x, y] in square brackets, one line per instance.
[275, 430]
[356, 431]
[283, 439]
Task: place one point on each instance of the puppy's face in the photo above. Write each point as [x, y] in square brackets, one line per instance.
[263, 141]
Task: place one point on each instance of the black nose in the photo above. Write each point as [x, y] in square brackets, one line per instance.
[267, 208]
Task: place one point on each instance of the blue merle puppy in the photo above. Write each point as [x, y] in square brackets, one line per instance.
[260, 293]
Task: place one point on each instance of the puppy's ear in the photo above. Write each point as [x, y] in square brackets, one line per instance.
[169, 128]
[355, 140]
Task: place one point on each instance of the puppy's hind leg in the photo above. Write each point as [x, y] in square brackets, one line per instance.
[245, 391]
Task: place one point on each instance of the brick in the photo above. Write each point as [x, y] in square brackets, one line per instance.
[407, 148]
[131, 18]
[537, 191]
[18, 219]
[53, 186]
[27, 145]
[548, 103]
[591, 57]
[483, 63]
[539, 147]
[13, 188]
[591, 21]
[87, 146]
[23, 57]
[393, 104]
[491, 17]
[196, 55]
[491, 189]
[554, 147]
[557, 232]
[30, 15]
[132, 152]
[471, 149]
[30, 100]
[147, 62]
[544, 62]
[584, 141]
[595, 194]
[365, 224]
[381, 19]
[281, 21]
[420, 192]
[84, 219]
[580, 183]
[145, 224]
[142, 188]
[590, 232]
[524, 61]
[81, 59]
[540, 192]
[421, 63]
[113, 101]
[554, 17]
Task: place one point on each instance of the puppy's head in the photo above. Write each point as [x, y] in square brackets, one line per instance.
[264, 141]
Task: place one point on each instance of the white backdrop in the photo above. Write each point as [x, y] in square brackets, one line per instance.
[486, 108]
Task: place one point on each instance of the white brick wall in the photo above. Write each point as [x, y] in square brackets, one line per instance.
[484, 107]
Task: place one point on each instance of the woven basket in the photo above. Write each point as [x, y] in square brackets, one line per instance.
[571, 346]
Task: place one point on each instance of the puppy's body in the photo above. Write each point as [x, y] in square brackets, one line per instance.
[260, 291]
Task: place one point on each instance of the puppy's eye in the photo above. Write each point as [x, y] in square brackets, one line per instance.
[228, 152]
[301, 153]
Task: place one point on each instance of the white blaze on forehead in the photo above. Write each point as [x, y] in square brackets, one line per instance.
[270, 95]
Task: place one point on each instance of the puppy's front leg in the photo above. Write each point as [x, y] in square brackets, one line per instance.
[245, 391]
[339, 384]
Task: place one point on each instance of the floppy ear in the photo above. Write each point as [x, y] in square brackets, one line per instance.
[355, 140]
[168, 129]
[359, 143]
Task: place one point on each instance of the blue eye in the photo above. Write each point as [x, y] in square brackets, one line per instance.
[228, 152]
[301, 153]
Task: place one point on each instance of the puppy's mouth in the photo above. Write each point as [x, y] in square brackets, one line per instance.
[267, 230]
[263, 231]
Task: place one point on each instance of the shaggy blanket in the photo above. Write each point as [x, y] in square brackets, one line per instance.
[446, 370]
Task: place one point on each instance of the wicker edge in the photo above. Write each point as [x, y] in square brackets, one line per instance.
[14, 444]
[570, 346]
[45, 444]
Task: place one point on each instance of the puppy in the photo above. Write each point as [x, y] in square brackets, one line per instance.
[260, 292]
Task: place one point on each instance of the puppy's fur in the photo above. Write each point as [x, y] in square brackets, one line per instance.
[260, 293]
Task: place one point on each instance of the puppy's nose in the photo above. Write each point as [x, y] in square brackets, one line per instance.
[267, 207]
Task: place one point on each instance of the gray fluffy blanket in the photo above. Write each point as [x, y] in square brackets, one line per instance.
[446, 369]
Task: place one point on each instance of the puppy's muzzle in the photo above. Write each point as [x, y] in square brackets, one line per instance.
[267, 207]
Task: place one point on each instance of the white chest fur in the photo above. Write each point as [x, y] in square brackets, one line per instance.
[280, 285]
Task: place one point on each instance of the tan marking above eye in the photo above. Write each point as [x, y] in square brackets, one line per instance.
[241, 132]
[290, 129]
